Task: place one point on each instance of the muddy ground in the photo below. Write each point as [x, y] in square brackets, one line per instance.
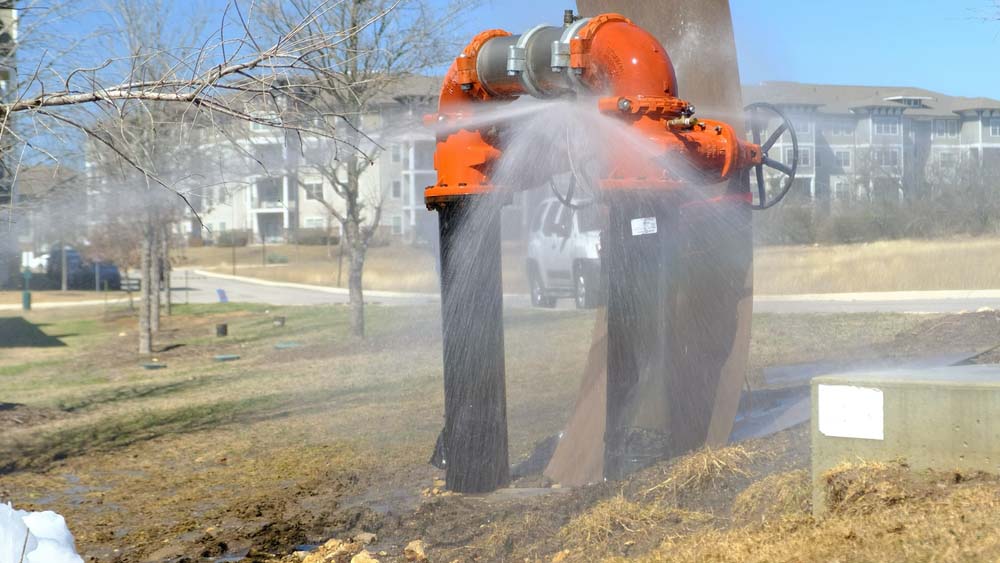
[286, 448]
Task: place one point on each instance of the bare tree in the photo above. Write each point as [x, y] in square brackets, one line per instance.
[232, 75]
[381, 43]
[229, 76]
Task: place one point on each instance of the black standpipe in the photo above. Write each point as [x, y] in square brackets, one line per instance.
[640, 256]
[474, 441]
[676, 271]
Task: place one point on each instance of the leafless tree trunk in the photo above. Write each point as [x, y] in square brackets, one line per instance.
[155, 271]
[128, 289]
[167, 270]
[233, 77]
[145, 266]
[394, 40]
[355, 275]
[63, 266]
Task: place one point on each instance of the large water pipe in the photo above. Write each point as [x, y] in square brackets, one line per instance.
[629, 75]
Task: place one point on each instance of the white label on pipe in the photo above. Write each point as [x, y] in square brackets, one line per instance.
[846, 411]
[643, 226]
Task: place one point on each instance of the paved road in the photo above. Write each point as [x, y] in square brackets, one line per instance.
[881, 302]
[198, 286]
[203, 286]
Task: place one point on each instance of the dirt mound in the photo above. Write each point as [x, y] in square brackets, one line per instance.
[686, 496]
[774, 498]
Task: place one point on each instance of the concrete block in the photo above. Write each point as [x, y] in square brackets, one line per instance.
[945, 418]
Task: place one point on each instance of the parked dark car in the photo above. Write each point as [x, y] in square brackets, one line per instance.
[81, 274]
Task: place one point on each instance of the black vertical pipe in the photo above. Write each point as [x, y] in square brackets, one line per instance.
[474, 439]
[641, 263]
[714, 267]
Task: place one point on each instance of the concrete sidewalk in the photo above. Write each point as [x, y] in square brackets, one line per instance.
[204, 286]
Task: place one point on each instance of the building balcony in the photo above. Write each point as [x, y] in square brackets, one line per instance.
[270, 204]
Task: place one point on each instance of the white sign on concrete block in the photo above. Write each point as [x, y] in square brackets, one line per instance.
[846, 411]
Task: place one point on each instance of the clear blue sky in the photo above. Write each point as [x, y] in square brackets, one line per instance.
[941, 45]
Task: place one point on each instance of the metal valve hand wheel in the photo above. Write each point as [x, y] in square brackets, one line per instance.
[757, 119]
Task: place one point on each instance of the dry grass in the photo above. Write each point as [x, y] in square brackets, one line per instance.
[202, 442]
[505, 534]
[705, 468]
[623, 519]
[866, 487]
[881, 512]
[775, 497]
[899, 265]
[190, 446]
[388, 268]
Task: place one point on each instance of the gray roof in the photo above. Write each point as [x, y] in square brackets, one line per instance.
[410, 86]
[42, 180]
[839, 99]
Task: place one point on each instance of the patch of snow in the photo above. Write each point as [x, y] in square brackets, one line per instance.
[35, 537]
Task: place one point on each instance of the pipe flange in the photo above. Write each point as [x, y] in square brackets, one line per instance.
[561, 54]
[574, 44]
[466, 64]
[517, 62]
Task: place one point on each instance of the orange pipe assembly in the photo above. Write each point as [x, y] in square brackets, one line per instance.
[606, 56]
[629, 75]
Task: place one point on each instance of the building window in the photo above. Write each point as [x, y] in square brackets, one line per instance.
[423, 155]
[397, 189]
[271, 156]
[842, 189]
[995, 127]
[805, 156]
[947, 159]
[841, 127]
[886, 157]
[397, 224]
[397, 153]
[222, 226]
[843, 158]
[268, 193]
[887, 126]
[945, 127]
[264, 121]
[802, 126]
[314, 190]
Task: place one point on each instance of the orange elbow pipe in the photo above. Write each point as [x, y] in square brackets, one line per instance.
[463, 155]
[619, 58]
[608, 56]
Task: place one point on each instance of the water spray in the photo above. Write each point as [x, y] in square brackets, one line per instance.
[628, 75]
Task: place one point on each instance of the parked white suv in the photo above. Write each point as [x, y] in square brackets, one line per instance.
[563, 255]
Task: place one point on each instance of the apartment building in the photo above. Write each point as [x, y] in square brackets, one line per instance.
[276, 194]
[862, 142]
[856, 143]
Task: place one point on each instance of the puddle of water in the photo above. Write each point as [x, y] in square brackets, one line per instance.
[306, 547]
[233, 557]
